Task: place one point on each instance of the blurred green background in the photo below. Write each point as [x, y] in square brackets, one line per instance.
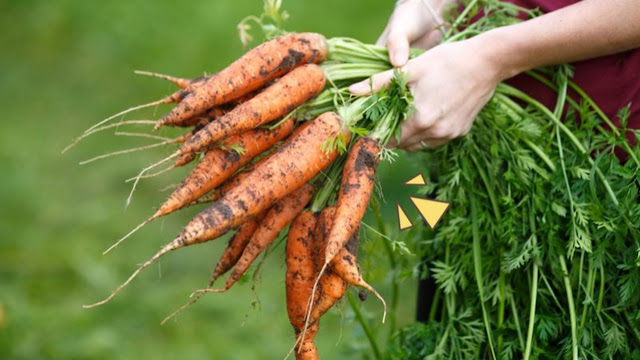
[66, 64]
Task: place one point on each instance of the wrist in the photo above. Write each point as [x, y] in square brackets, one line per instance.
[501, 50]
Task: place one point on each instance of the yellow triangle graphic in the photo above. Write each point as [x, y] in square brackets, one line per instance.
[431, 210]
[418, 180]
[403, 219]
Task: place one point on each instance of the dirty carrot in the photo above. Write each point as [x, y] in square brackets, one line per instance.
[291, 166]
[273, 103]
[252, 71]
[345, 266]
[216, 166]
[280, 215]
[330, 287]
[196, 120]
[228, 258]
[358, 179]
[299, 280]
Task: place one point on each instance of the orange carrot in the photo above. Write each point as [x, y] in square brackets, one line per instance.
[236, 246]
[331, 287]
[280, 215]
[252, 71]
[183, 160]
[291, 166]
[300, 267]
[227, 260]
[219, 164]
[198, 120]
[291, 91]
[345, 266]
[300, 276]
[355, 192]
[216, 166]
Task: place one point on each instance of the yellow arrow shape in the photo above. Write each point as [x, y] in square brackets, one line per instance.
[417, 180]
[403, 219]
[431, 210]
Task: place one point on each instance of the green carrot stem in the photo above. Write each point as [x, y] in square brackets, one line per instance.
[477, 264]
[570, 304]
[365, 326]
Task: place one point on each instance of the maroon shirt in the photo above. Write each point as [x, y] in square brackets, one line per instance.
[611, 81]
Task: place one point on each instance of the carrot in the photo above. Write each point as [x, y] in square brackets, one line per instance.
[296, 162]
[328, 287]
[236, 246]
[280, 215]
[198, 120]
[331, 286]
[219, 164]
[292, 165]
[209, 115]
[180, 82]
[183, 160]
[299, 280]
[252, 71]
[301, 272]
[274, 102]
[215, 167]
[308, 350]
[345, 266]
[228, 258]
[355, 192]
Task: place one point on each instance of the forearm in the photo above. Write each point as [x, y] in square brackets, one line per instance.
[587, 29]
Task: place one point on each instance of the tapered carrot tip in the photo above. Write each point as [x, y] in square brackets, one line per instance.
[180, 82]
[175, 244]
[204, 291]
[160, 123]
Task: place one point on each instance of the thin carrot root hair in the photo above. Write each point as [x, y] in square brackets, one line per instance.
[142, 135]
[376, 294]
[165, 100]
[106, 127]
[180, 82]
[157, 173]
[127, 151]
[135, 184]
[307, 316]
[194, 299]
[169, 247]
[129, 234]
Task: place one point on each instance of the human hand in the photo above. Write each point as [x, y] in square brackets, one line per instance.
[450, 84]
[411, 25]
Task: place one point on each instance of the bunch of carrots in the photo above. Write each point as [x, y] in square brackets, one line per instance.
[279, 144]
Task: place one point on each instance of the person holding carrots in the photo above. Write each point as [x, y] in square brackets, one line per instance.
[452, 82]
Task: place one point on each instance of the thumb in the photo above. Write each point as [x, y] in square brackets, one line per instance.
[373, 84]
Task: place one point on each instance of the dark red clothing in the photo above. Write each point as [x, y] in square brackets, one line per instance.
[611, 81]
